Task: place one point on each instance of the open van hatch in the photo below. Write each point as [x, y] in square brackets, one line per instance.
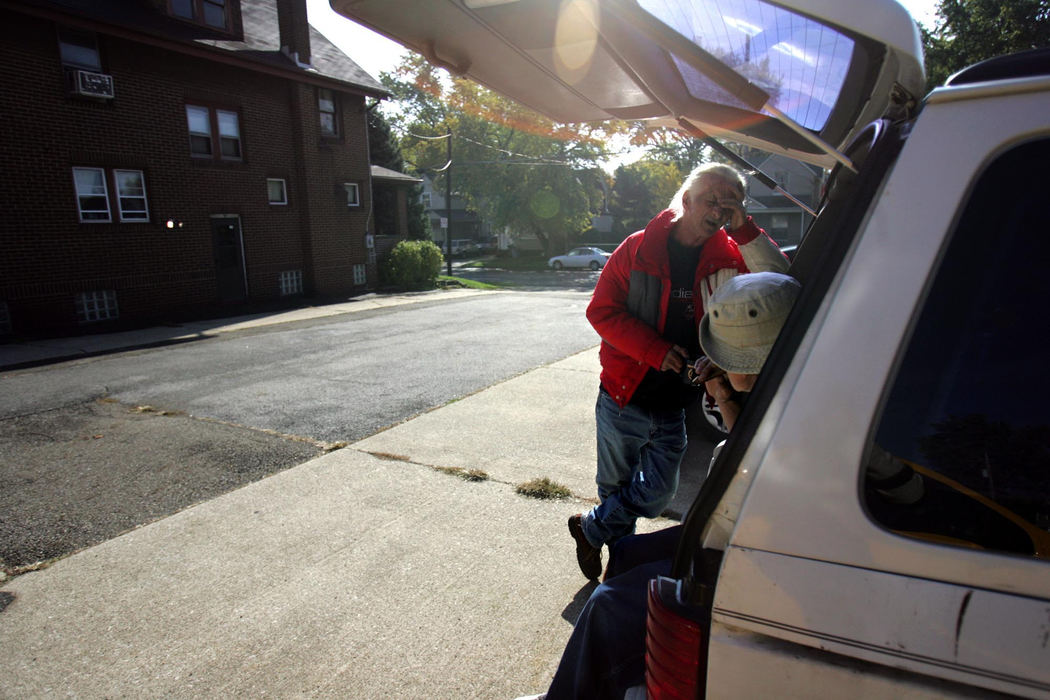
[761, 74]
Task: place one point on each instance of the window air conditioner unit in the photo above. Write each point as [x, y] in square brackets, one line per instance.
[92, 84]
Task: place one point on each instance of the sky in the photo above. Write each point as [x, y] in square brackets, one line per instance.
[375, 53]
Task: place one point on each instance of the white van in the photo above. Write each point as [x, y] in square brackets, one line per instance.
[921, 332]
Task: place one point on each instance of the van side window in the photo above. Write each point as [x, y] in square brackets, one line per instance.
[969, 410]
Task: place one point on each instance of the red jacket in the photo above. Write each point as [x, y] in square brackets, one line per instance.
[629, 306]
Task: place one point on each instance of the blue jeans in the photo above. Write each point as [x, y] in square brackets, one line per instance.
[606, 653]
[639, 453]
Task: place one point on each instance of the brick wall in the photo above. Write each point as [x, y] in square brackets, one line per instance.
[294, 28]
[160, 273]
[328, 163]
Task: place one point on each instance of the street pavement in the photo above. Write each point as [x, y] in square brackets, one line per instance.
[42, 351]
[373, 571]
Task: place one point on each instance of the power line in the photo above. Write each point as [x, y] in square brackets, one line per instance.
[604, 154]
[426, 138]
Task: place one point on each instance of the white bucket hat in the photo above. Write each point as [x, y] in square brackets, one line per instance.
[744, 317]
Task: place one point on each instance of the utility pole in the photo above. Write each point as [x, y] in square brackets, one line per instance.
[448, 205]
[447, 169]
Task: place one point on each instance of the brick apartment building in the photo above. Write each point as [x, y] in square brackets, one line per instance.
[164, 159]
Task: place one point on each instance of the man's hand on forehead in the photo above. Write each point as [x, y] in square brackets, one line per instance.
[732, 203]
[723, 190]
[731, 191]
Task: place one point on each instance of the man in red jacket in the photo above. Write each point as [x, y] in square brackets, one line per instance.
[647, 307]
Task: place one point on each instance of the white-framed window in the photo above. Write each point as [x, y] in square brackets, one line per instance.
[276, 190]
[92, 190]
[204, 123]
[229, 134]
[211, 13]
[329, 114]
[291, 282]
[96, 306]
[360, 276]
[199, 121]
[353, 194]
[183, 9]
[425, 198]
[78, 48]
[92, 194]
[131, 195]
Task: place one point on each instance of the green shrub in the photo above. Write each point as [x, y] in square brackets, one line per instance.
[413, 265]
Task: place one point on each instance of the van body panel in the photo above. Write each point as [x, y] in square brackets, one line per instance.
[966, 636]
[809, 474]
[806, 565]
[792, 671]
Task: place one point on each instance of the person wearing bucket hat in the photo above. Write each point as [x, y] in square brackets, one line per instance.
[647, 303]
[743, 320]
[744, 317]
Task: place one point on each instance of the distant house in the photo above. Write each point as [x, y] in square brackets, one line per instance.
[781, 218]
[466, 224]
[400, 184]
[165, 159]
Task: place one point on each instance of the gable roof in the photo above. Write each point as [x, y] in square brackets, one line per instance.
[262, 42]
[386, 174]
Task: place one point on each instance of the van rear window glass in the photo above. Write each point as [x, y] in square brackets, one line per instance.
[970, 407]
[800, 63]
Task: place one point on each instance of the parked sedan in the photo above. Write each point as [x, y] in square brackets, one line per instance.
[584, 256]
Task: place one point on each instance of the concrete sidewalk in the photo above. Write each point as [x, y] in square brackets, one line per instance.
[366, 573]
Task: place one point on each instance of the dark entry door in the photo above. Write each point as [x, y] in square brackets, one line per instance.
[229, 259]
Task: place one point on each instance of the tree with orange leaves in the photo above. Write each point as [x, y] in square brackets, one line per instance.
[519, 171]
